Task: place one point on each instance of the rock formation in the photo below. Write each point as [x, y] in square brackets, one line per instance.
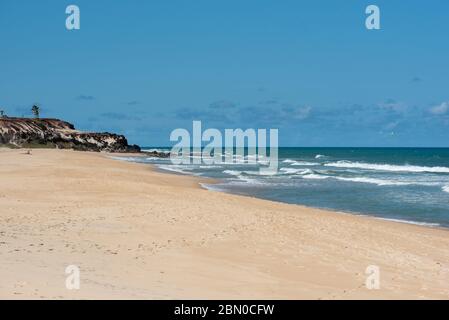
[54, 133]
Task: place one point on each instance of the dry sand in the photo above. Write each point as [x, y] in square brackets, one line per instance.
[137, 233]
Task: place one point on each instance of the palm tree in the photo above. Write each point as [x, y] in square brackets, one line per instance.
[35, 110]
[2, 113]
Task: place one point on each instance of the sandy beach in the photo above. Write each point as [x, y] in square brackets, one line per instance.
[136, 233]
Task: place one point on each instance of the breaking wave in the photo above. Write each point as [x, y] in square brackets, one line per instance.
[386, 167]
[300, 163]
[379, 182]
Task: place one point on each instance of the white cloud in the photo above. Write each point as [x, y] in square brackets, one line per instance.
[302, 113]
[392, 105]
[441, 109]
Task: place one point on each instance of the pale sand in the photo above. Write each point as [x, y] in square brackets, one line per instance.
[137, 233]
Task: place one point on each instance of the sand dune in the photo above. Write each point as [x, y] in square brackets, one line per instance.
[139, 234]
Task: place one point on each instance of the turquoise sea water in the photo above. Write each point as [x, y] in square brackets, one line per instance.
[407, 184]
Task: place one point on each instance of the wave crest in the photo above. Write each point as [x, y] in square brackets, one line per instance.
[300, 163]
[386, 167]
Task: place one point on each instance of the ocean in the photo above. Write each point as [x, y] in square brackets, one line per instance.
[404, 184]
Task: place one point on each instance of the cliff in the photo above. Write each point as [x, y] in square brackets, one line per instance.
[54, 133]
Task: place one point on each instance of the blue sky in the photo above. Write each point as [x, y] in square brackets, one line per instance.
[309, 68]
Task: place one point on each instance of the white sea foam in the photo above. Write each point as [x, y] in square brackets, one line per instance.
[314, 176]
[210, 166]
[245, 180]
[262, 173]
[290, 170]
[378, 182]
[387, 167]
[232, 172]
[212, 187]
[131, 159]
[305, 163]
[241, 162]
[175, 168]
[300, 163]
[319, 156]
[243, 177]
[305, 172]
[446, 188]
[282, 171]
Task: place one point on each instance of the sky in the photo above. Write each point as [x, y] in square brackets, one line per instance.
[310, 69]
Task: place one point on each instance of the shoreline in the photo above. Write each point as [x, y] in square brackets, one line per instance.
[355, 214]
[137, 233]
[213, 181]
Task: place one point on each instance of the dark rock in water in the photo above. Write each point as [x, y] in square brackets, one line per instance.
[54, 133]
[157, 154]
